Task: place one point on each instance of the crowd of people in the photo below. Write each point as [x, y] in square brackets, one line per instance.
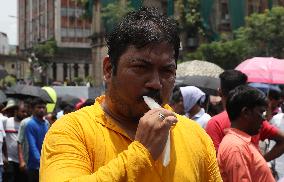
[23, 125]
[259, 127]
[117, 137]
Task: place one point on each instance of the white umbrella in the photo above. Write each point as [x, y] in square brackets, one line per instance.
[198, 68]
[202, 74]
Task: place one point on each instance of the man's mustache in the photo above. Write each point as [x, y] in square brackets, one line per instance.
[154, 94]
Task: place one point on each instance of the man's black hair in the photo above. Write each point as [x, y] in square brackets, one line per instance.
[141, 28]
[69, 108]
[88, 102]
[244, 96]
[176, 96]
[274, 94]
[282, 93]
[230, 79]
[36, 101]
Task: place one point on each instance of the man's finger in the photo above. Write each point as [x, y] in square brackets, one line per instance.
[170, 121]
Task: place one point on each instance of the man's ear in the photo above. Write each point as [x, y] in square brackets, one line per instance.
[245, 112]
[107, 69]
[220, 92]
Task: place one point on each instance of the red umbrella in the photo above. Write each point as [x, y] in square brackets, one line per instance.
[263, 70]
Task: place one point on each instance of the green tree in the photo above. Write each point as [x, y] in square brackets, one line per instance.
[78, 81]
[113, 12]
[189, 17]
[43, 53]
[40, 57]
[9, 80]
[263, 35]
[45, 50]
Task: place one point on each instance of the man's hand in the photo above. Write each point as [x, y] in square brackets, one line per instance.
[6, 163]
[152, 130]
[22, 166]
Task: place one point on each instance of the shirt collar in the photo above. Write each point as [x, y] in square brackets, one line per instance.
[39, 121]
[103, 119]
[199, 114]
[242, 135]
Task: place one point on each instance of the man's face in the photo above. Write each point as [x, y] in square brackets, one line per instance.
[39, 110]
[22, 112]
[256, 119]
[178, 107]
[147, 71]
[282, 104]
[274, 103]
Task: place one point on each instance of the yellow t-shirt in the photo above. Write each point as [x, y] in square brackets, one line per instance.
[87, 146]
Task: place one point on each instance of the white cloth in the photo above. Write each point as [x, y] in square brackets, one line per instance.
[2, 135]
[201, 118]
[278, 121]
[11, 129]
[59, 114]
[191, 95]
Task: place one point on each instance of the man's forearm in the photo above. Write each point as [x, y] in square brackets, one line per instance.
[278, 148]
[276, 151]
[20, 153]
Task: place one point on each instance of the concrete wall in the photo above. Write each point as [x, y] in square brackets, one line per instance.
[79, 91]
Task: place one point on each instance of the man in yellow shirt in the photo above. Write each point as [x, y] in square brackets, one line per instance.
[119, 138]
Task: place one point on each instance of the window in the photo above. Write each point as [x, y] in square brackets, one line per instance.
[82, 32]
[72, 12]
[71, 32]
[63, 11]
[224, 13]
[63, 32]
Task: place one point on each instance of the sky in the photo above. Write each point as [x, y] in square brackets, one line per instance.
[9, 24]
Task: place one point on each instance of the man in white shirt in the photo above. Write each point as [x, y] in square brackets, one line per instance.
[278, 121]
[187, 100]
[11, 129]
[3, 147]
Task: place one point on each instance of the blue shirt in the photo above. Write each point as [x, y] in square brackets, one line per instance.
[35, 133]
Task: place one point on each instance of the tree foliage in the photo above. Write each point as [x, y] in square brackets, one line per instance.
[45, 50]
[40, 57]
[263, 35]
[113, 12]
[189, 16]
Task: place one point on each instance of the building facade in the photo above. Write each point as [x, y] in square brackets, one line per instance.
[4, 44]
[77, 56]
[64, 22]
[228, 15]
[15, 65]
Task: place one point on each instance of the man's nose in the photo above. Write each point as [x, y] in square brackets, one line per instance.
[154, 81]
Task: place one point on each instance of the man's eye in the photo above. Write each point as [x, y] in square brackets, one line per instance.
[169, 71]
[139, 66]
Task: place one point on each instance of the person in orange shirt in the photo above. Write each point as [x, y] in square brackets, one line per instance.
[119, 138]
[238, 158]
